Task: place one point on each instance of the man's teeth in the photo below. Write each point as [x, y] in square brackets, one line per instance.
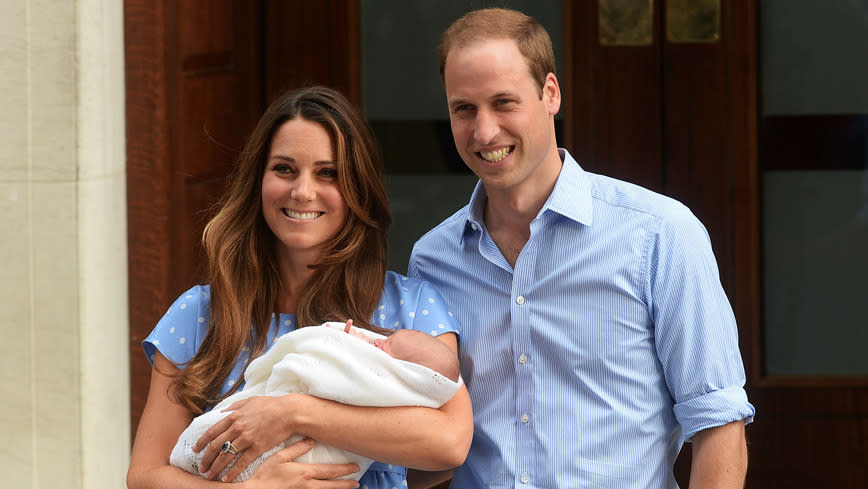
[302, 215]
[495, 155]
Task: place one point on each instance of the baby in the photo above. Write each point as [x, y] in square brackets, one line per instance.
[413, 346]
[407, 368]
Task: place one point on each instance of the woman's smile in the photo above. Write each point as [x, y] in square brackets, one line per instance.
[302, 215]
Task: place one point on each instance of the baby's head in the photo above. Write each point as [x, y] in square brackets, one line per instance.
[423, 349]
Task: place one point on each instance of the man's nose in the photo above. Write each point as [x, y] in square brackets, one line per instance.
[486, 127]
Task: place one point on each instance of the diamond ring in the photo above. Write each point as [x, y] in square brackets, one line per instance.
[228, 447]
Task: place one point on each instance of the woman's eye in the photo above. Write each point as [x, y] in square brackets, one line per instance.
[329, 173]
[281, 168]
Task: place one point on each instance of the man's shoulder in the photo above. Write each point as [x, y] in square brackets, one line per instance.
[626, 206]
[629, 197]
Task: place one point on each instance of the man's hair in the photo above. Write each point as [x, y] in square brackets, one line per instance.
[488, 24]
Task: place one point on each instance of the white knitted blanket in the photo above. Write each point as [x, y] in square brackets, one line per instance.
[326, 362]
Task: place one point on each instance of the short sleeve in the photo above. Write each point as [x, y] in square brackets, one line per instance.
[408, 303]
[432, 315]
[179, 333]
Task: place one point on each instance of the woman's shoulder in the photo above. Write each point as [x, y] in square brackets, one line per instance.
[198, 295]
[191, 308]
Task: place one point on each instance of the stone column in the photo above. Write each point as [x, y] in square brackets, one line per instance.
[63, 279]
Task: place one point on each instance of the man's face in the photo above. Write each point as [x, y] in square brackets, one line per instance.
[503, 129]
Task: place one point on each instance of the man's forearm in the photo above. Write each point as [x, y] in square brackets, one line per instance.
[719, 458]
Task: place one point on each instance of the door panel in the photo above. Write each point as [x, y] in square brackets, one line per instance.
[311, 42]
[611, 100]
[148, 181]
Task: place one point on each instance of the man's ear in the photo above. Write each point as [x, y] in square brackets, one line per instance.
[551, 94]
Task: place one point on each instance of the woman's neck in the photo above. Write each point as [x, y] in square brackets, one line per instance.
[295, 277]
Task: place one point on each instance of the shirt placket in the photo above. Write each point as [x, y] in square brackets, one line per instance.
[521, 319]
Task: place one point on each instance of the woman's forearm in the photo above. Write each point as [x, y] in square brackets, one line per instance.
[161, 422]
[168, 476]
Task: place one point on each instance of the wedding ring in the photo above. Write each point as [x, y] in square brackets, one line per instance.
[228, 447]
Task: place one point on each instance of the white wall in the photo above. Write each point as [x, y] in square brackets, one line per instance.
[63, 278]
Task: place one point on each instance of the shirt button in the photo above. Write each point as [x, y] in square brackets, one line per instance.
[524, 478]
[473, 226]
[519, 300]
[522, 359]
[524, 418]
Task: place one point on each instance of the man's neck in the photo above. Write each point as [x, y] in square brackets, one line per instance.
[513, 208]
[508, 227]
[509, 212]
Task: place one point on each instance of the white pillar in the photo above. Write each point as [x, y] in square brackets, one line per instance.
[63, 279]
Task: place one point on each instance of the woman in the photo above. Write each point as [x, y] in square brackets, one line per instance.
[299, 239]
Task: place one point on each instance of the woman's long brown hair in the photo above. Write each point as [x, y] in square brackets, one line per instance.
[240, 247]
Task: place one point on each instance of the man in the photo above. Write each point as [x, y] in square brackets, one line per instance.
[597, 337]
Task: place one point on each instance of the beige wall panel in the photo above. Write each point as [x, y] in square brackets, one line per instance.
[13, 92]
[16, 348]
[53, 98]
[56, 370]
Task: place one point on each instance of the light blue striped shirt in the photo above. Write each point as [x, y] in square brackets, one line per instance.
[609, 344]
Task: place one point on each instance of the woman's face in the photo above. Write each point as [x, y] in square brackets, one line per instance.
[301, 201]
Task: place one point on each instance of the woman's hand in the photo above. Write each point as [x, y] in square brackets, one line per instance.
[280, 467]
[254, 426]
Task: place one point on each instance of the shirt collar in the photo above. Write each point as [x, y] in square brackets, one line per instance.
[571, 197]
[475, 211]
